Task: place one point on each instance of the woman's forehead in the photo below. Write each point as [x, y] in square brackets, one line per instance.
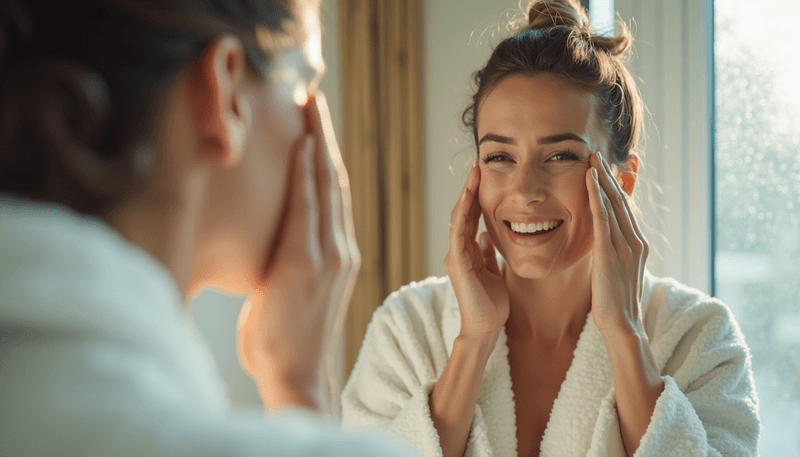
[541, 105]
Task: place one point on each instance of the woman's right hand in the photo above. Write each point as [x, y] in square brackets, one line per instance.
[287, 327]
[478, 284]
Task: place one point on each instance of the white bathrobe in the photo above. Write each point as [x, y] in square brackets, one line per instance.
[708, 407]
[97, 357]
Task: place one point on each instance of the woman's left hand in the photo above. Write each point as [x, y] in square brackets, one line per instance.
[619, 254]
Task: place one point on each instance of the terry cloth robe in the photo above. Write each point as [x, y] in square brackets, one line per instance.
[708, 407]
[97, 357]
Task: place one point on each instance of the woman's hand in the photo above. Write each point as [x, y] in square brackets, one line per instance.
[480, 289]
[287, 326]
[619, 254]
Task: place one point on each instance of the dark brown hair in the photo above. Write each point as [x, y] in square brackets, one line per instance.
[81, 82]
[557, 38]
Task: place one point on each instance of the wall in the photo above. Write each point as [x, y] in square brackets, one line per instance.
[215, 314]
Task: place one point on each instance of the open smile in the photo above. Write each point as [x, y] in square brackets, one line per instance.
[533, 234]
[533, 228]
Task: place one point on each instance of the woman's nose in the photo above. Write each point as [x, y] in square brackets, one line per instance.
[528, 185]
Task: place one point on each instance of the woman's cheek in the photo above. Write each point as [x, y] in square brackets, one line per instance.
[581, 211]
[489, 197]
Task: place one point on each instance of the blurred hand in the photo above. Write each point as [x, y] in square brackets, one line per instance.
[287, 328]
[480, 288]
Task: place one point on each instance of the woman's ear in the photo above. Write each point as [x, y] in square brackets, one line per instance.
[222, 110]
[629, 174]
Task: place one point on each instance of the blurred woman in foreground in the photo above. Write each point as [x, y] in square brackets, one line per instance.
[148, 150]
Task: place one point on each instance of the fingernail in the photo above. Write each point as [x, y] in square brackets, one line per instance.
[594, 173]
[463, 194]
[483, 242]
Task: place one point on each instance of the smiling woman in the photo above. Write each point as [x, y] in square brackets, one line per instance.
[563, 345]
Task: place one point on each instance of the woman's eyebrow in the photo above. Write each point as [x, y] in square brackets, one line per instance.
[497, 139]
[551, 139]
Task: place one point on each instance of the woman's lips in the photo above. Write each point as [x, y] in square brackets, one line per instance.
[533, 239]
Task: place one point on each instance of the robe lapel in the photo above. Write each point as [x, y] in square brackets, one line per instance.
[575, 410]
[496, 401]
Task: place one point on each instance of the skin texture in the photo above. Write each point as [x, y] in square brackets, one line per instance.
[530, 170]
[249, 194]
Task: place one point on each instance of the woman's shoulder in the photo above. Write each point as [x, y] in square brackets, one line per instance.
[677, 315]
[427, 299]
[668, 298]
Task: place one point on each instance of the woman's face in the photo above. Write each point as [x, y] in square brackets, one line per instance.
[248, 199]
[535, 135]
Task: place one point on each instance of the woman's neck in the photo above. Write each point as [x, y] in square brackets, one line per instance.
[552, 310]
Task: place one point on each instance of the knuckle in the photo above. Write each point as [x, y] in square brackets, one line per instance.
[335, 261]
[604, 213]
[312, 264]
[619, 199]
[355, 263]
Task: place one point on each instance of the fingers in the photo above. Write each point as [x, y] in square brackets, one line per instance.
[244, 332]
[489, 254]
[617, 197]
[337, 229]
[329, 192]
[474, 211]
[463, 214]
[634, 239]
[605, 222]
[601, 210]
[300, 232]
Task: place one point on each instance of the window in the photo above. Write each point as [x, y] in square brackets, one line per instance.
[757, 187]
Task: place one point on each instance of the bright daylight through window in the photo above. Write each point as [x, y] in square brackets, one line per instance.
[757, 161]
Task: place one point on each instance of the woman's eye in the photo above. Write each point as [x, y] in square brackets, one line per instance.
[566, 155]
[495, 158]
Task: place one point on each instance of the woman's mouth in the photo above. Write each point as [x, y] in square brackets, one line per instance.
[534, 228]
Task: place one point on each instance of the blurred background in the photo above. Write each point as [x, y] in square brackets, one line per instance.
[721, 184]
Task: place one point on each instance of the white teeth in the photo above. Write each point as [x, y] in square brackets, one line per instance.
[533, 227]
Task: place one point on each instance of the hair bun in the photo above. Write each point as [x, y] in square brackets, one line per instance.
[544, 14]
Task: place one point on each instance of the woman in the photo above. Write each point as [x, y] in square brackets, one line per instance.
[567, 346]
[147, 150]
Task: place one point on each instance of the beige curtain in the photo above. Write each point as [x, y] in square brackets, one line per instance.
[381, 61]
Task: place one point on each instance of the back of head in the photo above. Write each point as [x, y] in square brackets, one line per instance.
[556, 37]
[78, 75]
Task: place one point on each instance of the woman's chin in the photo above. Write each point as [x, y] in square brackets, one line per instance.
[530, 268]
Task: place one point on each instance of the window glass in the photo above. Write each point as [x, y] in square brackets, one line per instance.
[757, 185]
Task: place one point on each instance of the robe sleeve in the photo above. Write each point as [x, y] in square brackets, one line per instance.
[399, 362]
[709, 405]
[77, 394]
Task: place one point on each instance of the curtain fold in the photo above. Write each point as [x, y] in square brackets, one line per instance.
[382, 145]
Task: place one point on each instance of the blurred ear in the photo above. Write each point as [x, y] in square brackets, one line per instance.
[222, 111]
[629, 174]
